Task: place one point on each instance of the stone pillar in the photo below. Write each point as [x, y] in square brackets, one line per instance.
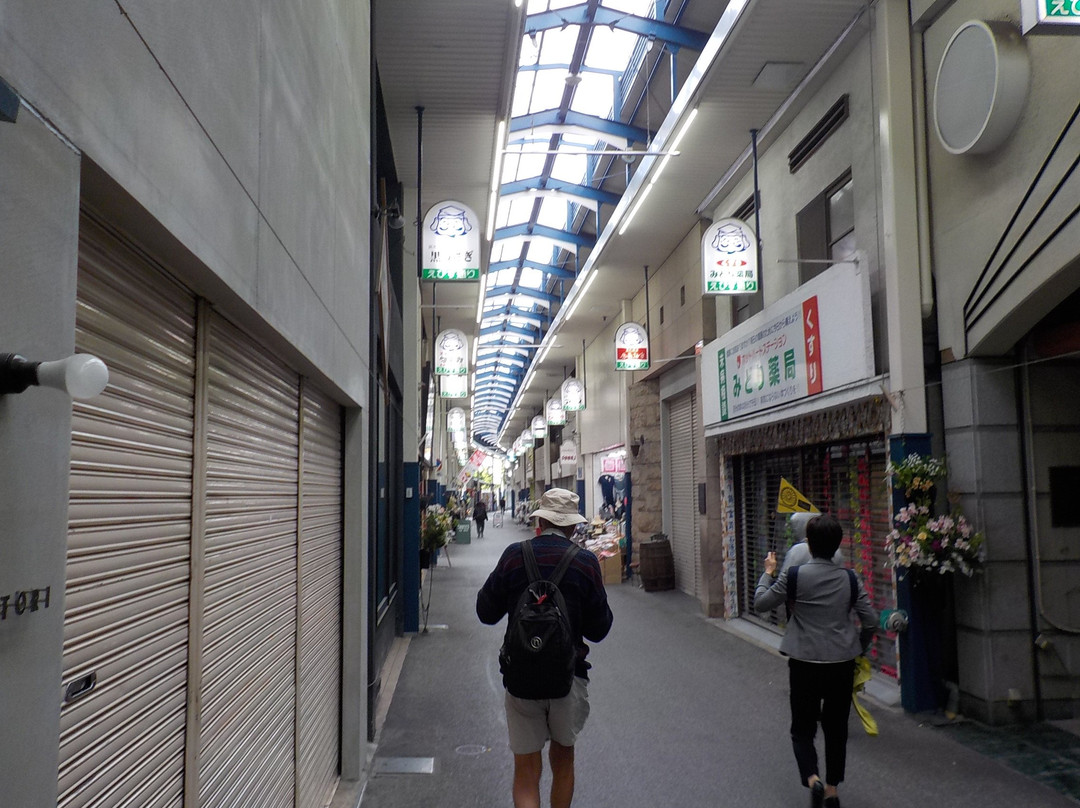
[644, 430]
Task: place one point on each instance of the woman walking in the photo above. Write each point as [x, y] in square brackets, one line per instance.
[821, 641]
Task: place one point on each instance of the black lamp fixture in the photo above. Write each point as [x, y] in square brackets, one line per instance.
[392, 212]
[636, 444]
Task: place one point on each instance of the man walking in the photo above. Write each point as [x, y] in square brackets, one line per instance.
[480, 516]
[579, 584]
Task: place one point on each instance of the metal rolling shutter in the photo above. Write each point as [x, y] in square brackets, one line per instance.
[682, 494]
[126, 599]
[319, 640]
[846, 480]
[246, 735]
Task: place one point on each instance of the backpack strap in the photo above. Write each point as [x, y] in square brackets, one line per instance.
[533, 569]
[792, 588]
[854, 583]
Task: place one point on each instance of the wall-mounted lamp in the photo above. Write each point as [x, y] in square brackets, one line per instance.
[393, 213]
[636, 444]
[81, 376]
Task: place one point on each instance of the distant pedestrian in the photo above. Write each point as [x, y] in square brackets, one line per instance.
[799, 551]
[502, 503]
[532, 722]
[479, 515]
[822, 641]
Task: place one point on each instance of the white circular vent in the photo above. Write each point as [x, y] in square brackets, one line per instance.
[981, 87]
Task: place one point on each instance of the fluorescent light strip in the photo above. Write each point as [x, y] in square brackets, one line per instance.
[492, 205]
[496, 170]
[580, 295]
[675, 145]
[633, 211]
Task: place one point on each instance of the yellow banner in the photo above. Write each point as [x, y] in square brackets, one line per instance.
[792, 501]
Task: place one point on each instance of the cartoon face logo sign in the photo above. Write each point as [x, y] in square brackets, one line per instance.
[451, 221]
[730, 239]
[631, 348]
[728, 258]
[451, 353]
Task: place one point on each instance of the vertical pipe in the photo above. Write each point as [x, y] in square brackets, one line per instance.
[648, 317]
[757, 209]
[419, 189]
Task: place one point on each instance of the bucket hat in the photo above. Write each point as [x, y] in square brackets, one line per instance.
[560, 507]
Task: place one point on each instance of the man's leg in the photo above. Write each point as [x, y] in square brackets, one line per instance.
[562, 775]
[527, 770]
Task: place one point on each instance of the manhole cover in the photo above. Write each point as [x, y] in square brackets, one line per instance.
[472, 749]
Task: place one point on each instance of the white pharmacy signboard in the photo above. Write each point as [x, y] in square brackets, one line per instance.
[816, 339]
[451, 243]
[729, 264]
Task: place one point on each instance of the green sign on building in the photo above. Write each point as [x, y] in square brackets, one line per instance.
[1051, 16]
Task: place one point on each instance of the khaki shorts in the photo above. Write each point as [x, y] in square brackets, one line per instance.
[532, 723]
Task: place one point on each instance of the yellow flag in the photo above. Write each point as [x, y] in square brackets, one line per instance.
[791, 501]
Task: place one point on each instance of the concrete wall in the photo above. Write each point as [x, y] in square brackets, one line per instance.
[784, 194]
[973, 197]
[242, 128]
[230, 140]
[603, 423]
[39, 206]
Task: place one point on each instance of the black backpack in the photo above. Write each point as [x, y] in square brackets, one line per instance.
[539, 654]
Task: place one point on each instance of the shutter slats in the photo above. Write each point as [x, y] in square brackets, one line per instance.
[685, 541]
[248, 687]
[319, 665]
[845, 480]
[268, 650]
[126, 598]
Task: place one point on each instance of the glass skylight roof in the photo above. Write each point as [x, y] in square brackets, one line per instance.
[569, 71]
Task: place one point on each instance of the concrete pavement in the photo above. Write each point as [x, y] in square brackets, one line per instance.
[683, 714]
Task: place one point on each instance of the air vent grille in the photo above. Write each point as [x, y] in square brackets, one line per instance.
[829, 123]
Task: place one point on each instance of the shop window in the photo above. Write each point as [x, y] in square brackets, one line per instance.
[825, 229]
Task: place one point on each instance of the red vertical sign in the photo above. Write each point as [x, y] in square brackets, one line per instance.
[812, 343]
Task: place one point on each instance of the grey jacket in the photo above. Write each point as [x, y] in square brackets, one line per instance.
[822, 627]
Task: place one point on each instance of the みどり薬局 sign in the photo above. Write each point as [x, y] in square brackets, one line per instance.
[816, 339]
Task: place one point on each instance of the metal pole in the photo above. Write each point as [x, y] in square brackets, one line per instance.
[757, 208]
[419, 189]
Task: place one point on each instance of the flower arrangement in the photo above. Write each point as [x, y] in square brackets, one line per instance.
[916, 475]
[936, 544]
[435, 528]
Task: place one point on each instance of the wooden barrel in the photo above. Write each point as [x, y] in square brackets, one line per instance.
[656, 565]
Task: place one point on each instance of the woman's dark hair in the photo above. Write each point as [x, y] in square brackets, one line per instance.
[823, 535]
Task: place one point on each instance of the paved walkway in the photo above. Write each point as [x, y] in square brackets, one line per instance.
[683, 714]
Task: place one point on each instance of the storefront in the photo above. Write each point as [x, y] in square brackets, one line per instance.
[790, 396]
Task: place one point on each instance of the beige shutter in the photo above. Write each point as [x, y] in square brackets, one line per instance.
[247, 697]
[319, 626]
[682, 494]
[126, 598]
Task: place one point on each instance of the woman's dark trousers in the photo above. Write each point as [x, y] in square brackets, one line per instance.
[820, 691]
